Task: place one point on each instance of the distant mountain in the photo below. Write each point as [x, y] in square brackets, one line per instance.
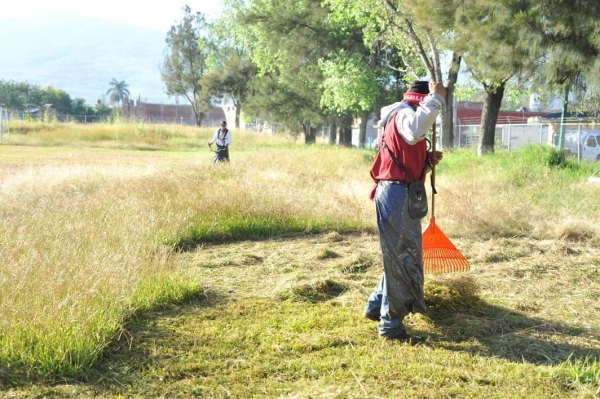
[81, 55]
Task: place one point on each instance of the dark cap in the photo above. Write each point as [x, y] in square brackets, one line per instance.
[419, 86]
[224, 123]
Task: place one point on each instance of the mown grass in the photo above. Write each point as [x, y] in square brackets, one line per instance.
[276, 319]
[152, 274]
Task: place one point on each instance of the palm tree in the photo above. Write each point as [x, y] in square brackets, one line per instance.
[118, 91]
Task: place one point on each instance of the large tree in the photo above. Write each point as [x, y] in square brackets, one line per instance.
[431, 28]
[419, 31]
[59, 99]
[232, 78]
[19, 96]
[288, 38]
[494, 42]
[118, 91]
[552, 43]
[317, 61]
[231, 69]
[356, 73]
[568, 35]
[184, 64]
[350, 87]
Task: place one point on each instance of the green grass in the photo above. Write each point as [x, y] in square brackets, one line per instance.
[515, 194]
[156, 274]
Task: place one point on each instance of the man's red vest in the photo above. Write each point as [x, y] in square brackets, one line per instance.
[411, 157]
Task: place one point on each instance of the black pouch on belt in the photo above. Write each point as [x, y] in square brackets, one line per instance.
[417, 200]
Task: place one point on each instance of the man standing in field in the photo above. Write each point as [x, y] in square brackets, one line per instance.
[402, 158]
[223, 138]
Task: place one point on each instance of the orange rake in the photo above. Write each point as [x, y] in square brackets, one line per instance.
[439, 254]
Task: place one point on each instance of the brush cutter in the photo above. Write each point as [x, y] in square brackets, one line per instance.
[217, 157]
[439, 254]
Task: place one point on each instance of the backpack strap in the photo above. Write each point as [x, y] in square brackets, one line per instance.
[408, 175]
[396, 110]
[225, 135]
[391, 116]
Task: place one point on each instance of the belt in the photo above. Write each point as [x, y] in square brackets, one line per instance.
[403, 183]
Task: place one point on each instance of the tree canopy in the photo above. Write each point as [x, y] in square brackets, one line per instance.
[304, 64]
[24, 96]
[19, 96]
[118, 91]
[231, 71]
[184, 63]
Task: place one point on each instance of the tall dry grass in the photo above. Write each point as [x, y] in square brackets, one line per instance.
[129, 135]
[526, 193]
[89, 237]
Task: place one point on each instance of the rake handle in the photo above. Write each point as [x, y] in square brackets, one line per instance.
[433, 139]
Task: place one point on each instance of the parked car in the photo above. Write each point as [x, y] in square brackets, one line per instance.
[584, 144]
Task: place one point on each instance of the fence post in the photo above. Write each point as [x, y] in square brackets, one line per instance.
[509, 132]
[578, 140]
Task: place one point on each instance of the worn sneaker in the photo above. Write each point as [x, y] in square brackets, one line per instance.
[375, 316]
[407, 338]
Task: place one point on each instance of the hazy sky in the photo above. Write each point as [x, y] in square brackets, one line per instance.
[154, 14]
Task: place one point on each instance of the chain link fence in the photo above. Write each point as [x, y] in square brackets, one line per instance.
[581, 138]
[4, 126]
[184, 121]
[508, 136]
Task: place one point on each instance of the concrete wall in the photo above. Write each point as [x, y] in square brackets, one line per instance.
[176, 113]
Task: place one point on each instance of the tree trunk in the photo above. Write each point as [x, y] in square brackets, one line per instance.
[346, 130]
[310, 134]
[448, 121]
[561, 132]
[362, 133]
[332, 133]
[489, 117]
[198, 115]
[237, 117]
[448, 113]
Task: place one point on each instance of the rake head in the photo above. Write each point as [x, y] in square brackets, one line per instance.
[439, 254]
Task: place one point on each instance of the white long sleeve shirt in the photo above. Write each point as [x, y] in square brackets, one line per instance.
[413, 125]
[218, 137]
